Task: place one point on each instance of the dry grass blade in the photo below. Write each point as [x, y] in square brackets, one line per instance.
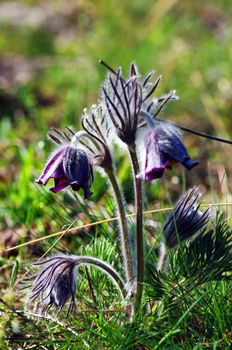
[74, 229]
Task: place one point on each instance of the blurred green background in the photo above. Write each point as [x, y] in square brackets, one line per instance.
[49, 72]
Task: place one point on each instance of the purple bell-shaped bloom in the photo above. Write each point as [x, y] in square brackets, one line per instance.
[68, 166]
[55, 283]
[163, 144]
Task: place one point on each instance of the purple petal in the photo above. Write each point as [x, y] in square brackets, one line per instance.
[60, 184]
[189, 164]
[78, 170]
[76, 165]
[170, 144]
[156, 162]
[86, 189]
[53, 168]
[75, 186]
[154, 173]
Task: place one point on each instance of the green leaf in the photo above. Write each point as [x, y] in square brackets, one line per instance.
[14, 273]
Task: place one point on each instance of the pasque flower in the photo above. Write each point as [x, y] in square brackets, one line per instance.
[163, 144]
[68, 166]
[126, 99]
[56, 283]
[123, 100]
[186, 219]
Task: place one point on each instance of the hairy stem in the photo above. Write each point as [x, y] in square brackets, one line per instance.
[125, 241]
[139, 225]
[105, 267]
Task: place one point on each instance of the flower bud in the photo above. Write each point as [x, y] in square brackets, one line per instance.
[185, 220]
[68, 166]
[56, 283]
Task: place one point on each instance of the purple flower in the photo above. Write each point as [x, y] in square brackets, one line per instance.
[127, 99]
[68, 166]
[55, 284]
[164, 144]
[186, 219]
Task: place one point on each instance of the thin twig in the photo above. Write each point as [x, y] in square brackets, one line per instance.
[51, 319]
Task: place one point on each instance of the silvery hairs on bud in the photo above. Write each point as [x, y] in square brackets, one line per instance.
[186, 219]
[127, 99]
[56, 283]
[123, 100]
[96, 126]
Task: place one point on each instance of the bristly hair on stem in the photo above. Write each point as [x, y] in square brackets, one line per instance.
[139, 227]
[124, 232]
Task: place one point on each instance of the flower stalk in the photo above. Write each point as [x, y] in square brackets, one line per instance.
[106, 268]
[125, 241]
[139, 225]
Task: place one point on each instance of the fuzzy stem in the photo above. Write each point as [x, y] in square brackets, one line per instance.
[124, 231]
[162, 258]
[139, 225]
[105, 267]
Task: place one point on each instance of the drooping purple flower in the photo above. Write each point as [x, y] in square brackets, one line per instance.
[186, 219]
[164, 144]
[68, 166]
[55, 284]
